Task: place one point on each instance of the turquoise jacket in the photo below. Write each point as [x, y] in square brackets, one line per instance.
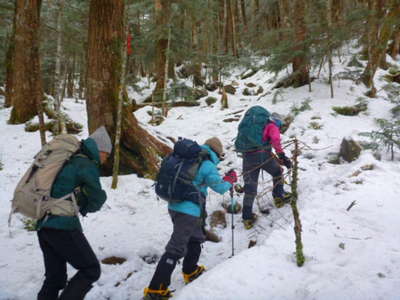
[207, 177]
[83, 172]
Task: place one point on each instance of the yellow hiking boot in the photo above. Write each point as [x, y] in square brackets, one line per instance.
[194, 275]
[281, 201]
[249, 223]
[162, 294]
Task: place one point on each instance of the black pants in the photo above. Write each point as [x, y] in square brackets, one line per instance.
[185, 242]
[253, 163]
[60, 247]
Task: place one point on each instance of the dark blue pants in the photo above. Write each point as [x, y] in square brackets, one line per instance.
[253, 163]
[185, 241]
[60, 247]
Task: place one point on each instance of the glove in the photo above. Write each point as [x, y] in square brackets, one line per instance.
[230, 177]
[238, 188]
[284, 160]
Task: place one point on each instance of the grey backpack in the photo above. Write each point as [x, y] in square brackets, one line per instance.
[32, 194]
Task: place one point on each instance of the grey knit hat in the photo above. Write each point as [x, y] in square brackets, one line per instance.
[102, 139]
[277, 119]
[216, 145]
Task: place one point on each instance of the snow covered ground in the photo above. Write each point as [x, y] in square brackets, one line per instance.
[351, 254]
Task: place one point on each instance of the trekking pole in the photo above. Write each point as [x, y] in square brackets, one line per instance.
[232, 224]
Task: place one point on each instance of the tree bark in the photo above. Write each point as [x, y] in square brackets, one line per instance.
[71, 77]
[9, 69]
[230, 30]
[9, 63]
[395, 49]
[284, 17]
[243, 10]
[140, 152]
[196, 66]
[162, 16]
[26, 65]
[256, 11]
[221, 21]
[236, 23]
[381, 37]
[300, 62]
[120, 102]
[58, 78]
[300, 259]
[82, 79]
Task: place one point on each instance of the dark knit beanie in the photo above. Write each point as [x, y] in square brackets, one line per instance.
[216, 145]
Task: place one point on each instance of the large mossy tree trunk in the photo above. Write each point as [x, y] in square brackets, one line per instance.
[140, 152]
[25, 95]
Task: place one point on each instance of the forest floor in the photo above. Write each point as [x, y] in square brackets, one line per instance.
[351, 254]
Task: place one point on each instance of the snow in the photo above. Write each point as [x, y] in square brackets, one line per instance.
[350, 254]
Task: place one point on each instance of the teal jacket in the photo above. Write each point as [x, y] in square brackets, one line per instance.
[83, 172]
[207, 177]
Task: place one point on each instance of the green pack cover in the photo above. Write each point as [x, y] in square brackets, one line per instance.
[251, 128]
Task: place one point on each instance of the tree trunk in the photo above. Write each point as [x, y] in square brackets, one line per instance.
[243, 10]
[82, 79]
[284, 17]
[120, 102]
[58, 78]
[236, 22]
[196, 66]
[9, 69]
[300, 259]
[395, 49]
[255, 16]
[337, 8]
[229, 29]
[71, 77]
[234, 29]
[140, 152]
[164, 95]
[8, 64]
[26, 65]
[162, 15]
[300, 62]
[378, 48]
[221, 21]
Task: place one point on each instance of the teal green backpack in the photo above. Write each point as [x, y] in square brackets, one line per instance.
[251, 128]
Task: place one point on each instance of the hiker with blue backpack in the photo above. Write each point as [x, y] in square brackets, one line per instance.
[63, 182]
[258, 134]
[183, 180]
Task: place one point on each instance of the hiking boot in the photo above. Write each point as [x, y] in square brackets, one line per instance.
[194, 275]
[282, 200]
[150, 294]
[249, 223]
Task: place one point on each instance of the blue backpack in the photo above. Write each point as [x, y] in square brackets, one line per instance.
[174, 181]
[250, 131]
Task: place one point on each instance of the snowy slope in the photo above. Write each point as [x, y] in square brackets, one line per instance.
[133, 224]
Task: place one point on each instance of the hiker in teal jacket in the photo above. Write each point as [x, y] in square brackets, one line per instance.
[207, 176]
[188, 221]
[60, 237]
